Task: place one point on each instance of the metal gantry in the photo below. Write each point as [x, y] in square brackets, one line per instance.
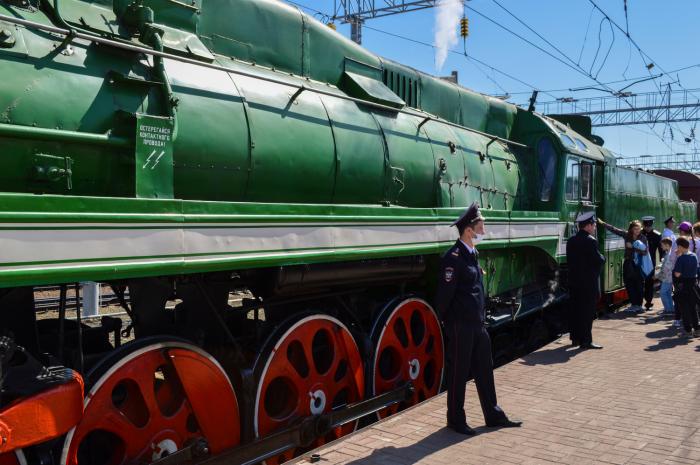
[346, 10]
[680, 161]
[355, 12]
[646, 108]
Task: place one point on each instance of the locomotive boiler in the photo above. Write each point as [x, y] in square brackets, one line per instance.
[185, 153]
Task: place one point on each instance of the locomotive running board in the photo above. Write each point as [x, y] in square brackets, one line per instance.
[300, 435]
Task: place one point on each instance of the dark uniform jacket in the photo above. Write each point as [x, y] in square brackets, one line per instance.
[654, 241]
[584, 261]
[460, 295]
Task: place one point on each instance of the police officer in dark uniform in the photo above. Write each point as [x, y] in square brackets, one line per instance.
[654, 240]
[460, 304]
[584, 261]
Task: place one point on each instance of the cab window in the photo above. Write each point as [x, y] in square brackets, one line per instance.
[581, 146]
[572, 179]
[547, 163]
[586, 181]
[567, 141]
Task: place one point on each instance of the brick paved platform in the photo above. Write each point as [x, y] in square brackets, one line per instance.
[637, 401]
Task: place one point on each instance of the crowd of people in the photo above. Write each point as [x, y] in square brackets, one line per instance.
[460, 297]
[676, 269]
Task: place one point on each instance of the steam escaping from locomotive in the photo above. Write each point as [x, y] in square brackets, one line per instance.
[447, 16]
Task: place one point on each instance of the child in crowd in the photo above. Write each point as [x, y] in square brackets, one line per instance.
[665, 275]
[685, 273]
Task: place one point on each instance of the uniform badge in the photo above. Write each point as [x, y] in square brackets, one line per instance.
[449, 272]
[455, 253]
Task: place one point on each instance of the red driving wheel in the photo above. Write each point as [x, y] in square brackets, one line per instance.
[16, 457]
[149, 399]
[408, 347]
[309, 366]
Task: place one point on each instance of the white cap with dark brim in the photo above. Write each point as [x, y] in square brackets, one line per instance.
[585, 217]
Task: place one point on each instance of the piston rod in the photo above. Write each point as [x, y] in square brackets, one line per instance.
[300, 435]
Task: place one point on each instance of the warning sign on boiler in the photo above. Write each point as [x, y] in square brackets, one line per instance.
[154, 156]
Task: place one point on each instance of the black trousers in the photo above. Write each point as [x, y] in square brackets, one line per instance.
[649, 290]
[582, 302]
[687, 304]
[634, 282]
[469, 353]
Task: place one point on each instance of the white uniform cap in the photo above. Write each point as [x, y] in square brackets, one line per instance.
[585, 217]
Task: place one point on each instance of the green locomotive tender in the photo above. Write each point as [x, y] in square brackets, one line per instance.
[183, 151]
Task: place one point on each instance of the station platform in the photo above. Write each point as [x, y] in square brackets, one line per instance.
[635, 402]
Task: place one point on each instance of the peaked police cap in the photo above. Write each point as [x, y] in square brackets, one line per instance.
[469, 216]
[585, 218]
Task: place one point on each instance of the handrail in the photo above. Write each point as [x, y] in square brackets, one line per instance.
[156, 53]
[31, 132]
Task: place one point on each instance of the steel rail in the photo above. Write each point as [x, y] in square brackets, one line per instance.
[155, 53]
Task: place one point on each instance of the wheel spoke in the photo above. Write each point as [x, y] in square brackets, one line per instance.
[137, 409]
[408, 347]
[301, 370]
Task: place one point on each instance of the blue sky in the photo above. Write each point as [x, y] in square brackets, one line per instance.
[665, 31]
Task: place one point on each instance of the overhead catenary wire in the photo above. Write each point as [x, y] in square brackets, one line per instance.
[526, 40]
[577, 69]
[618, 81]
[600, 43]
[486, 75]
[585, 37]
[574, 66]
[533, 30]
[645, 56]
[457, 52]
[470, 57]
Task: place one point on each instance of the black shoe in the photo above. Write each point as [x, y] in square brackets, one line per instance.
[575, 342]
[462, 429]
[648, 305]
[590, 346]
[506, 423]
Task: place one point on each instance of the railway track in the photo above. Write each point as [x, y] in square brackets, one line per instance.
[47, 304]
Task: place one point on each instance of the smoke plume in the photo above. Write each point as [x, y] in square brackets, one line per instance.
[447, 15]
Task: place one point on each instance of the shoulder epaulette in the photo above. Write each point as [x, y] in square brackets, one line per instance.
[455, 252]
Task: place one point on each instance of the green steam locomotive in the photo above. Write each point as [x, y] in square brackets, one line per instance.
[183, 152]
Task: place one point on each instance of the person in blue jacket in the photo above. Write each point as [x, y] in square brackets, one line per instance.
[460, 302]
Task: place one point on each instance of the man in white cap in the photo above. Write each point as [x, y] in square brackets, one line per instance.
[584, 261]
[460, 302]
